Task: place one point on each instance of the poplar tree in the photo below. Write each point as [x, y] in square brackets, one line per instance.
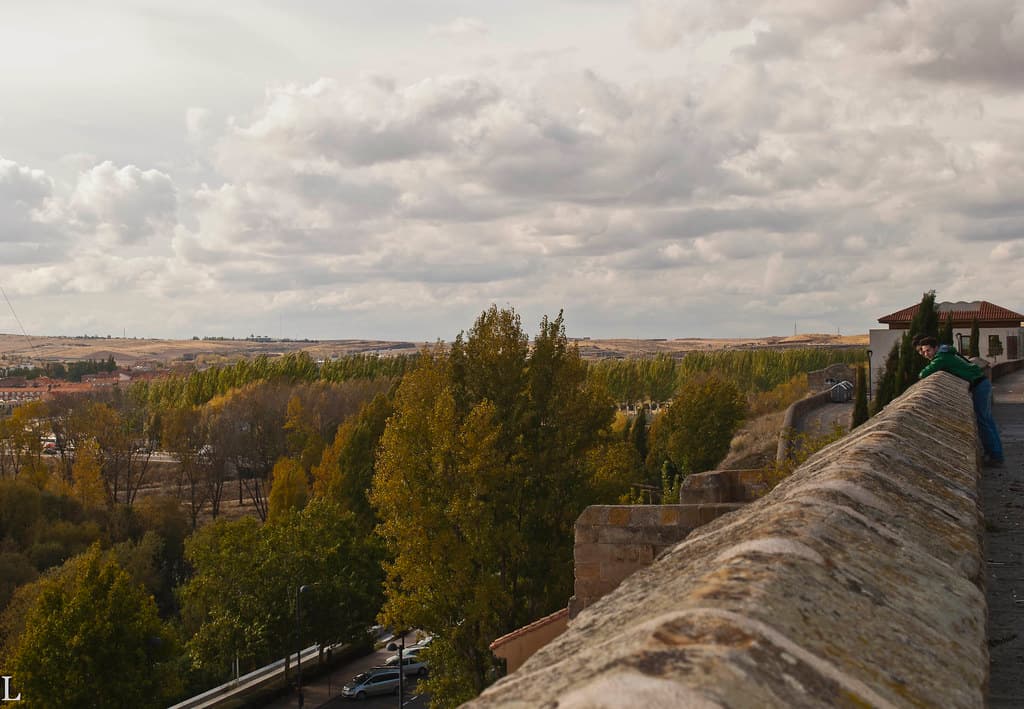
[946, 333]
[483, 468]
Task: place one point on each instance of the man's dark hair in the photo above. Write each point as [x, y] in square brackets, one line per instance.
[926, 342]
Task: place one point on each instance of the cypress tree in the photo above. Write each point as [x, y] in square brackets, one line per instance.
[860, 399]
[924, 322]
[975, 349]
[946, 333]
[887, 382]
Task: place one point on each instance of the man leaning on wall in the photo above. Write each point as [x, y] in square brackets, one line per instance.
[944, 358]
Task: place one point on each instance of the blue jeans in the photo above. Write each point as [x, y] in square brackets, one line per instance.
[987, 431]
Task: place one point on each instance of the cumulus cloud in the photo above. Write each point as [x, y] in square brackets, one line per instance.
[123, 205]
[27, 203]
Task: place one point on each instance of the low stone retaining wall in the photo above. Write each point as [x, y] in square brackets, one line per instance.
[791, 423]
[856, 582]
[1004, 368]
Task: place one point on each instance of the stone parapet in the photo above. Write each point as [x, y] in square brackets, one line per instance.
[856, 582]
[613, 541]
[744, 485]
[791, 422]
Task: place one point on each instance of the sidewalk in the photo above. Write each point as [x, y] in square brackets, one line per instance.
[1003, 501]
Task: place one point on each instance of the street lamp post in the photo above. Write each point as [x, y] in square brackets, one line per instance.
[401, 668]
[869, 373]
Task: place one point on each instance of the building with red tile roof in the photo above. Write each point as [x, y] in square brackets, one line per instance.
[1000, 330]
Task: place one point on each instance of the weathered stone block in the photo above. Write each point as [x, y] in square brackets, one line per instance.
[595, 515]
[614, 572]
[624, 552]
[618, 535]
[587, 553]
[668, 515]
[711, 486]
[585, 534]
[644, 515]
[689, 516]
[619, 516]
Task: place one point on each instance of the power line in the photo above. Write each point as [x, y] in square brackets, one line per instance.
[10, 305]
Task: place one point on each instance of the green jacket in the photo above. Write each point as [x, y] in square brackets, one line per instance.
[947, 360]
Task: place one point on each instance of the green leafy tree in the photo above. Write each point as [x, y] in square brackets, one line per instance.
[241, 596]
[860, 399]
[694, 434]
[92, 638]
[345, 471]
[483, 468]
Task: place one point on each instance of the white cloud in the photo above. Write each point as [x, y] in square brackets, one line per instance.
[122, 205]
[459, 27]
[196, 122]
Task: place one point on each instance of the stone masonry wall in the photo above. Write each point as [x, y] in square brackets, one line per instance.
[856, 582]
[613, 541]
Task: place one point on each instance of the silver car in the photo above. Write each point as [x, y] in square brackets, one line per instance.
[379, 680]
[412, 664]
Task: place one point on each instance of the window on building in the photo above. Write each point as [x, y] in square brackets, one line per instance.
[995, 346]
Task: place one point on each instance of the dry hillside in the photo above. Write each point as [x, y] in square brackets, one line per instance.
[19, 348]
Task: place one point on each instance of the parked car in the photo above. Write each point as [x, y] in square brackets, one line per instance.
[379, 680]
[412, 664]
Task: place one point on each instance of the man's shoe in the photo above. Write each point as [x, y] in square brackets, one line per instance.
[993, 462]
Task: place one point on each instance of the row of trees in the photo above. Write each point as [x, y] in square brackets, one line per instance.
[658, 378]
[68, 371]
[199, 387]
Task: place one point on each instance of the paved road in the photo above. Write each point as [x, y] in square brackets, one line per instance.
[326, 691]
[1003, 500]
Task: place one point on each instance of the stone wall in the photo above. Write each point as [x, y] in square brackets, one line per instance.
[613, 541]
[856, 582]
[791, 422]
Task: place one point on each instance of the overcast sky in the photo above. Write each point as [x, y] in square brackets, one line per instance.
[665, 168]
